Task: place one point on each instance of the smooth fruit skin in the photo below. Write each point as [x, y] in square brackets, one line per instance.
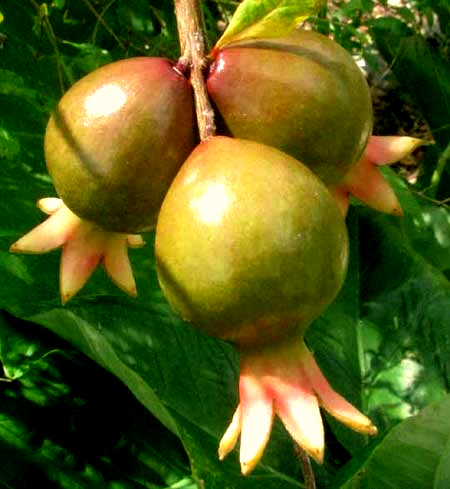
[302, 93]
[250, 246]
[116, 140]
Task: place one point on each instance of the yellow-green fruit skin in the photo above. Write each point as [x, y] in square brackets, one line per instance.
[250, 246]
[302, 93]
[116, 140]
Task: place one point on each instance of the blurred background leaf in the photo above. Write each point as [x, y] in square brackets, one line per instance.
[415, 454]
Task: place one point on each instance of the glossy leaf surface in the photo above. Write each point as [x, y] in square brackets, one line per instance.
[267, 18]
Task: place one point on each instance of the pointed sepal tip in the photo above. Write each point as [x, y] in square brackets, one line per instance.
[84, 246]
[365, 181]
[284, 380]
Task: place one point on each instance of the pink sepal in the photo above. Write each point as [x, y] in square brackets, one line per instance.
[285, 380]
[386, 150]
[366, 182]
[84, 246]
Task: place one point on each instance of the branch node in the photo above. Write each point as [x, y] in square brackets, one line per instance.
[192, 35]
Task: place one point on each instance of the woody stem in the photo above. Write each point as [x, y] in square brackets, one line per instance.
[193, 44]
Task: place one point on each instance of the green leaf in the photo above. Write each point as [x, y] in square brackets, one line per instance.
[406, 325]
[415, 454]
[9, 145]
[425, 224]
[267, 18]
[383, 344]
[83, 58]
[18, 352]
[55, 428]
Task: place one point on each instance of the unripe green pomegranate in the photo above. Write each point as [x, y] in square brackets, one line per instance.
[251, 247]
[249, 244]
[112, 146]
[116, 140]
[302, 93]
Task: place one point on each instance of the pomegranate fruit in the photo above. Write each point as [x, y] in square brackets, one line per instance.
[251, 248]
[304, 94]
[112, 146]
[116, 140]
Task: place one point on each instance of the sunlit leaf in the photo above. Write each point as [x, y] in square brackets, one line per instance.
[426, 225]
[267, 18]
[379, 342]
[415, 454]
[9, 145]
[18, 353]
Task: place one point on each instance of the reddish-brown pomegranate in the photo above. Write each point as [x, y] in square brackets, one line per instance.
[304, 94]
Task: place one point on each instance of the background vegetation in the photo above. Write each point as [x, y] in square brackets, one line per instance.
[111, 392]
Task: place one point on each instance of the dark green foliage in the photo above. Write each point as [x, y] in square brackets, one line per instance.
[65, 422]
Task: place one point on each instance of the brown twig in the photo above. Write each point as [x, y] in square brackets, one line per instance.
[193, 44]
[441, 203]
[100, 20]
[46, 25]
[305, 463]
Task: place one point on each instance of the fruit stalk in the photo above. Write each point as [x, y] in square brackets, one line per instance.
[193, 44]
[305, 462]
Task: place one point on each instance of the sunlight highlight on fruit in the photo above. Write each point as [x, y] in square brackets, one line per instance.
[105, 101]
[212, 204]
